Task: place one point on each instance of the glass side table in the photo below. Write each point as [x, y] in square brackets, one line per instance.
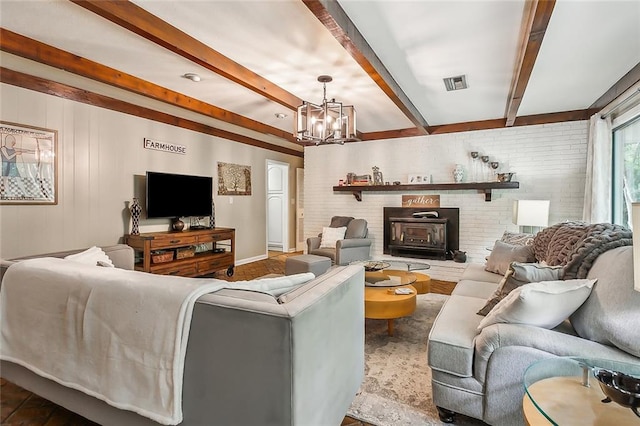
[564, 391]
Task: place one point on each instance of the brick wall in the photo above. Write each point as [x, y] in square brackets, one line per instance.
[549, 161]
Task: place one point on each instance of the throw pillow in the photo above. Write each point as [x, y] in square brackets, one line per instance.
[93, 256]
[503, 254]
[357, 228]
[544, 304]
[339, 221]
[518, 275]
[331, 235]
[517, 238]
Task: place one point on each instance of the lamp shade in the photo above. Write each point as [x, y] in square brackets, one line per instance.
[531, 212]
[635, 223]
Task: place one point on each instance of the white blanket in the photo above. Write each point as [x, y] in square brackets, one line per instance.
[117, 335]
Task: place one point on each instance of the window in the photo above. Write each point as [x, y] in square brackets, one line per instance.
[626, 165]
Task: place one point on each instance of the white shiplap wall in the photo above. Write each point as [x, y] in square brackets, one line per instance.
[100, 154]
[549, 161]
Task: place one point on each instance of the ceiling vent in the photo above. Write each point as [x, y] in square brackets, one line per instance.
[456, 83]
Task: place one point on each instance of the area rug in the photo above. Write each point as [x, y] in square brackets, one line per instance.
[397, 386]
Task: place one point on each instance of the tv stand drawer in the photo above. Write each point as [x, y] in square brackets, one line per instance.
[174, 241]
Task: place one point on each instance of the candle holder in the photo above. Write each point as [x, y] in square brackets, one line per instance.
[474, 165]
[486, 171]
[494, 165]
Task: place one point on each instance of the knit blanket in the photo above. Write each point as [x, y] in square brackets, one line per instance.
[576, 245]
[119, 336]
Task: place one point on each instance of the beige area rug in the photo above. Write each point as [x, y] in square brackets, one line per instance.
[397, 386]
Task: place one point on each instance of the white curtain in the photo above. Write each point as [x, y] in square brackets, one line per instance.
[597, 194]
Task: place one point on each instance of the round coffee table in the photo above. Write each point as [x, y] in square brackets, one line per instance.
[381, 300]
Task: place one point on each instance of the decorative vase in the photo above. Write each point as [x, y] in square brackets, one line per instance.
[212, 218]
[136, 211]
[458, 173]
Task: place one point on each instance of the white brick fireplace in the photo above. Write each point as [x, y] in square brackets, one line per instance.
[549, 161]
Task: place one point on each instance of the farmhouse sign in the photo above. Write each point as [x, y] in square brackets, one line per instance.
[420, 201]
[164, 146]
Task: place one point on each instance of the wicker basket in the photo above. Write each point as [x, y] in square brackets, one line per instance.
[161, 256]
[184, 252]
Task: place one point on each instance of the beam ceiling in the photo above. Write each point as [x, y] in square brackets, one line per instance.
[535, 21]
[340, 26]
[134, 18]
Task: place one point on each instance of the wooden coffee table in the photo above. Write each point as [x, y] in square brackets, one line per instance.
[381, 302]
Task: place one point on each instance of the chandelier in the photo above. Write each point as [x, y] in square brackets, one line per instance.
[330, 122]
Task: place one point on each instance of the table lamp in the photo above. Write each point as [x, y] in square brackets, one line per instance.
[531, 215]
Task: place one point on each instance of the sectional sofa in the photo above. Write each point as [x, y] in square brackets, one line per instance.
[251, 358]
[478, 371]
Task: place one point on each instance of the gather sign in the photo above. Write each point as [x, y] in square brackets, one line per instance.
[421, 201]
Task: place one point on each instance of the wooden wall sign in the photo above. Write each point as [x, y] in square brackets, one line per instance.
[164, 146]
[420, 201]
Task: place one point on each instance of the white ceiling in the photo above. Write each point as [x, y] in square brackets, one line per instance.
[587, 48]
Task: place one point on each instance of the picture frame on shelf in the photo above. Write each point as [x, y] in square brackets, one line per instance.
[29, 164]
[418, 178]
[414, 178]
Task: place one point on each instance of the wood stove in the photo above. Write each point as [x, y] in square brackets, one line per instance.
[414, 232]
[426, 236]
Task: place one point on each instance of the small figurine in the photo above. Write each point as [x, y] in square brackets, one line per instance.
[377, 176]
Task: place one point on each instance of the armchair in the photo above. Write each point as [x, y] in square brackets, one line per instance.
[354, 246]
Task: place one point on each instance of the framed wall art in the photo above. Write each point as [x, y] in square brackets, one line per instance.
[234, 179]
[29, 164]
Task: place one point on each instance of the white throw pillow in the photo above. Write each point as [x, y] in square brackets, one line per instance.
[544, 304]
[331, 235]
[93, 256]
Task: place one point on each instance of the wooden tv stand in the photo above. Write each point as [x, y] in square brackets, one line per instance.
[200, 263]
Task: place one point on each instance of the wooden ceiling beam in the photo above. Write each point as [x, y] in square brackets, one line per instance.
[32, 49]
[496, 123]
[19, 79]
[621, 86]
[134, 18]
[534, 25]
[334, 18]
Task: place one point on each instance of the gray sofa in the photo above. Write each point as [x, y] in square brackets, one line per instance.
[481, 375]
[251, 359]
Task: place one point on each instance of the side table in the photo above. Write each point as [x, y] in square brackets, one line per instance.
[555, 393]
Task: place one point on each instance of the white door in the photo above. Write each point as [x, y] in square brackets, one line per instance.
[277, 212]
[300, 240]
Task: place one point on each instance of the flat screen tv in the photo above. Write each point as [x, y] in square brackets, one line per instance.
[174, 195]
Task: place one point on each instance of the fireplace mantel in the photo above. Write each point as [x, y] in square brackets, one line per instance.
[482, 187]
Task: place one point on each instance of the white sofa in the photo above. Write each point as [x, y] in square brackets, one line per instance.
[481, 375]
[251, 359]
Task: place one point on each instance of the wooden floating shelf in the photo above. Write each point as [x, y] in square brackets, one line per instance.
[482, 187]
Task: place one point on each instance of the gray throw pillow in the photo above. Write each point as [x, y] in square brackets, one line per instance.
[357, 228]
[503, 254]
[340, 221]
[518, 275]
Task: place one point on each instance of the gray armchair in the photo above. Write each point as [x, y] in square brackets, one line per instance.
[354, 246]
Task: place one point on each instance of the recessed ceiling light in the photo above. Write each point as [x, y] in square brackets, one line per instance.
[456, 83]
[280, 115]
[192, 76]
